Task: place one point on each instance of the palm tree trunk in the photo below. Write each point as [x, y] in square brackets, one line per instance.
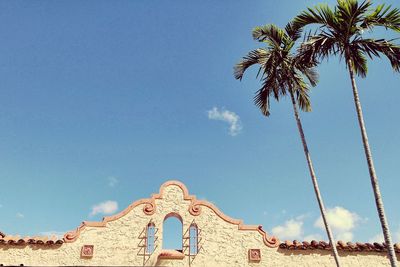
[372, 173]
[314, 181]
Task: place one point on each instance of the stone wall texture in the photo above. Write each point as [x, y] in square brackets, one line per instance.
[224, 241]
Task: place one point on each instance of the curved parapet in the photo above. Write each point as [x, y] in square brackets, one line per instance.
[195, 209]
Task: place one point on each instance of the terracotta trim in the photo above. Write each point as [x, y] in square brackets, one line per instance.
[195, 208]
[175, 215]
[149, 209]
[171, 255]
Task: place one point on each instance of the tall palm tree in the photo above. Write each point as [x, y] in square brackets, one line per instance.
[341, 31]
[282, 73]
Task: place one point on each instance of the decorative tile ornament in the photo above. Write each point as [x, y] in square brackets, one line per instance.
[87, 251]
[254, 255]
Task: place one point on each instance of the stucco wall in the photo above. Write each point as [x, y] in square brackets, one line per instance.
[116, 242]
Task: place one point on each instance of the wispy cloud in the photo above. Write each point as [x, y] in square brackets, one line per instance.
[19, 215]
[107, 207]
[58, 234]
[227, 116]
[376, 238]
[291, 229]
[112, 181]
[380, 239]
[312, 237]
[342, 222]
[396, 237]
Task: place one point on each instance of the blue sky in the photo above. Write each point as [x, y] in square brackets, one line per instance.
[102, 103]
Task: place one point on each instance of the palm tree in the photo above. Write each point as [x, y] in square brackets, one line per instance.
[282, 73]
[341, 31]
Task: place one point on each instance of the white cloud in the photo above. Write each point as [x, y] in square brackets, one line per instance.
[380, 239]
[376, 238]
[112, 181]
[339, 218]
[345, 236]
[230, 117]
[58, 234]
[302, 216]
[291, 229]
[107, 207]
[341, 221]
[312, 237]
[19, 215]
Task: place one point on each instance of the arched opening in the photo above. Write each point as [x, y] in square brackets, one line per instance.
[172, 232]
[193, 239]
[150, 238]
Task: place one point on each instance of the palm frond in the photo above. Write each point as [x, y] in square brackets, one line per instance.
[319, 46]
[257, 56]
[358, 59]
[373, 47]
[303, 100]
[270, 34]
[311, 74]
[321, 14]
[293, 32]
[384, 16]
[262, 97]
[301, 90]
[350, 12]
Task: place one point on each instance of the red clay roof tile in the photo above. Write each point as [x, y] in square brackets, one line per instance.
[349, 246]
[39, 240]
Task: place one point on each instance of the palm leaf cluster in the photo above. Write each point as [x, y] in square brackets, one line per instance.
[342, 29]
[279, 69]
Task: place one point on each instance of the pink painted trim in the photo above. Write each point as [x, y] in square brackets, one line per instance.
[149, 209]
[171, 255]
[195, 208]
[175, 215]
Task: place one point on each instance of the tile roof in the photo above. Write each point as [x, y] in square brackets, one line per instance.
[289, 245]
[39, 240]
[349, 246]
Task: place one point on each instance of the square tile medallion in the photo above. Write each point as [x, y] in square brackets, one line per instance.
[87, 251]
[254, 255]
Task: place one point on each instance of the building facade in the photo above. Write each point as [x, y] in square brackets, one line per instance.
[134, 237]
